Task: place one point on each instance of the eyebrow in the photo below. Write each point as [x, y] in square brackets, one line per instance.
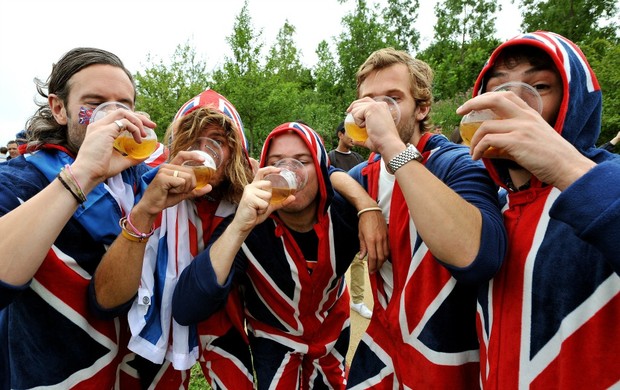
[529, 71]
[296, 156]
[95, 96]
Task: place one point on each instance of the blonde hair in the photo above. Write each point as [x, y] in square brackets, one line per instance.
[183, 132]
[420, 76]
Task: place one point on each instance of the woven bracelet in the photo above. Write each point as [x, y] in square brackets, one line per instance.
[79, 190]
[75, 195]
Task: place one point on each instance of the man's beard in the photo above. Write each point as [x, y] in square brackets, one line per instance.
[406, 130]
[75, 134]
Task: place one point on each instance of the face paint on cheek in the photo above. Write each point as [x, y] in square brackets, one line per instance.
[84, 115]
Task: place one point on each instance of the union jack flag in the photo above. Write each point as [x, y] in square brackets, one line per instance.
[211, 98]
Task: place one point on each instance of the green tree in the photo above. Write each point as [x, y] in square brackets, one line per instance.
[363, 33]
[241, 78]
[581, 21]
[162, 88]
[465, 32]
[329, 97]
[399, 17]
[604, 58]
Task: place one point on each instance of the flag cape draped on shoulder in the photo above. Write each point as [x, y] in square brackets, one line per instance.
[178, 237]
[94, 215]
[54, 314]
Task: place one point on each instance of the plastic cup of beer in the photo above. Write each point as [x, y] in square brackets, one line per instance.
[359, 134]
[125, 143]
[472, 121]
[291, 178]
[205, 170]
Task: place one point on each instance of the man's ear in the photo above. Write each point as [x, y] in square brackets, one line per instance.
[422, 112]
[58, 109]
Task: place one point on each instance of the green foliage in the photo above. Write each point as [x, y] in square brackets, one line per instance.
[197, 380]
[604, 58]
[443, 111]
[164, 88]
[400, 17]
[465, 20]
[464, 29]
[363, 33]
[581, 21]
[272, 87]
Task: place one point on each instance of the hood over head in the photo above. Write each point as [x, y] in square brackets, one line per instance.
[210, 98]
[579, 116]
[314, 142]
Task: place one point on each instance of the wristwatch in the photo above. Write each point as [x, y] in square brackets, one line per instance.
[402, 158]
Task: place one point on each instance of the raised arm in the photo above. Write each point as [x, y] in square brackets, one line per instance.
[117, 277]
[30, 229]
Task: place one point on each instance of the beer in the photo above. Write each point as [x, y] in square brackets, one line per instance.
[129, 147]
[467, 131]
[359, 134]
[204, 174]
[279, 194]
[355, 132]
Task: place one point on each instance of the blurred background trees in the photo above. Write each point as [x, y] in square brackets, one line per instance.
[271, 85]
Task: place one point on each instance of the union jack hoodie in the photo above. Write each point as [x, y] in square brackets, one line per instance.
[286, 305]
[551, 315]
[422, 333]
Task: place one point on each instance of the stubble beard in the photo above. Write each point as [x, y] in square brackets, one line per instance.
[407, 130]
[75, 134]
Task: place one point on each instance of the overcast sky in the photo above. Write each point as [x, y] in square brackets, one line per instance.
[35, 33]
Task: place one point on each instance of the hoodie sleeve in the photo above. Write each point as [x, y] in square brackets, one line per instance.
[470, 180]
[591, 206]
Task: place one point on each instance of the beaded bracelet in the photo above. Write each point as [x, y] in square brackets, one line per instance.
[131, 233]
[362, 211]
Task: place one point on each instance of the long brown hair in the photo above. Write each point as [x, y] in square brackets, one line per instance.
[183, 132]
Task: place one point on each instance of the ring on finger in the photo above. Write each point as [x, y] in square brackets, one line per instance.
[120, 124]
[175, 173]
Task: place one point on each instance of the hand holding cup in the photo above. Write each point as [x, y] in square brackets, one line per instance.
[472, 121]
[125, 143]
[359, 134]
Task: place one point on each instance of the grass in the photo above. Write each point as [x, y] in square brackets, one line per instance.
[197, 380]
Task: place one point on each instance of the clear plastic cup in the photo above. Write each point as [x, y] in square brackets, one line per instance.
[205, 170]
[291, 178]
[472, 121]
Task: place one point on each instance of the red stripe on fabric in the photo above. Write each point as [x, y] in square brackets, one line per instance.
[70, 288]
[433, 278]
[578, 365]
[229, 374]
[508, 286]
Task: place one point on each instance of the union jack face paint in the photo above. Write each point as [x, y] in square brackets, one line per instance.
[84, 115]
